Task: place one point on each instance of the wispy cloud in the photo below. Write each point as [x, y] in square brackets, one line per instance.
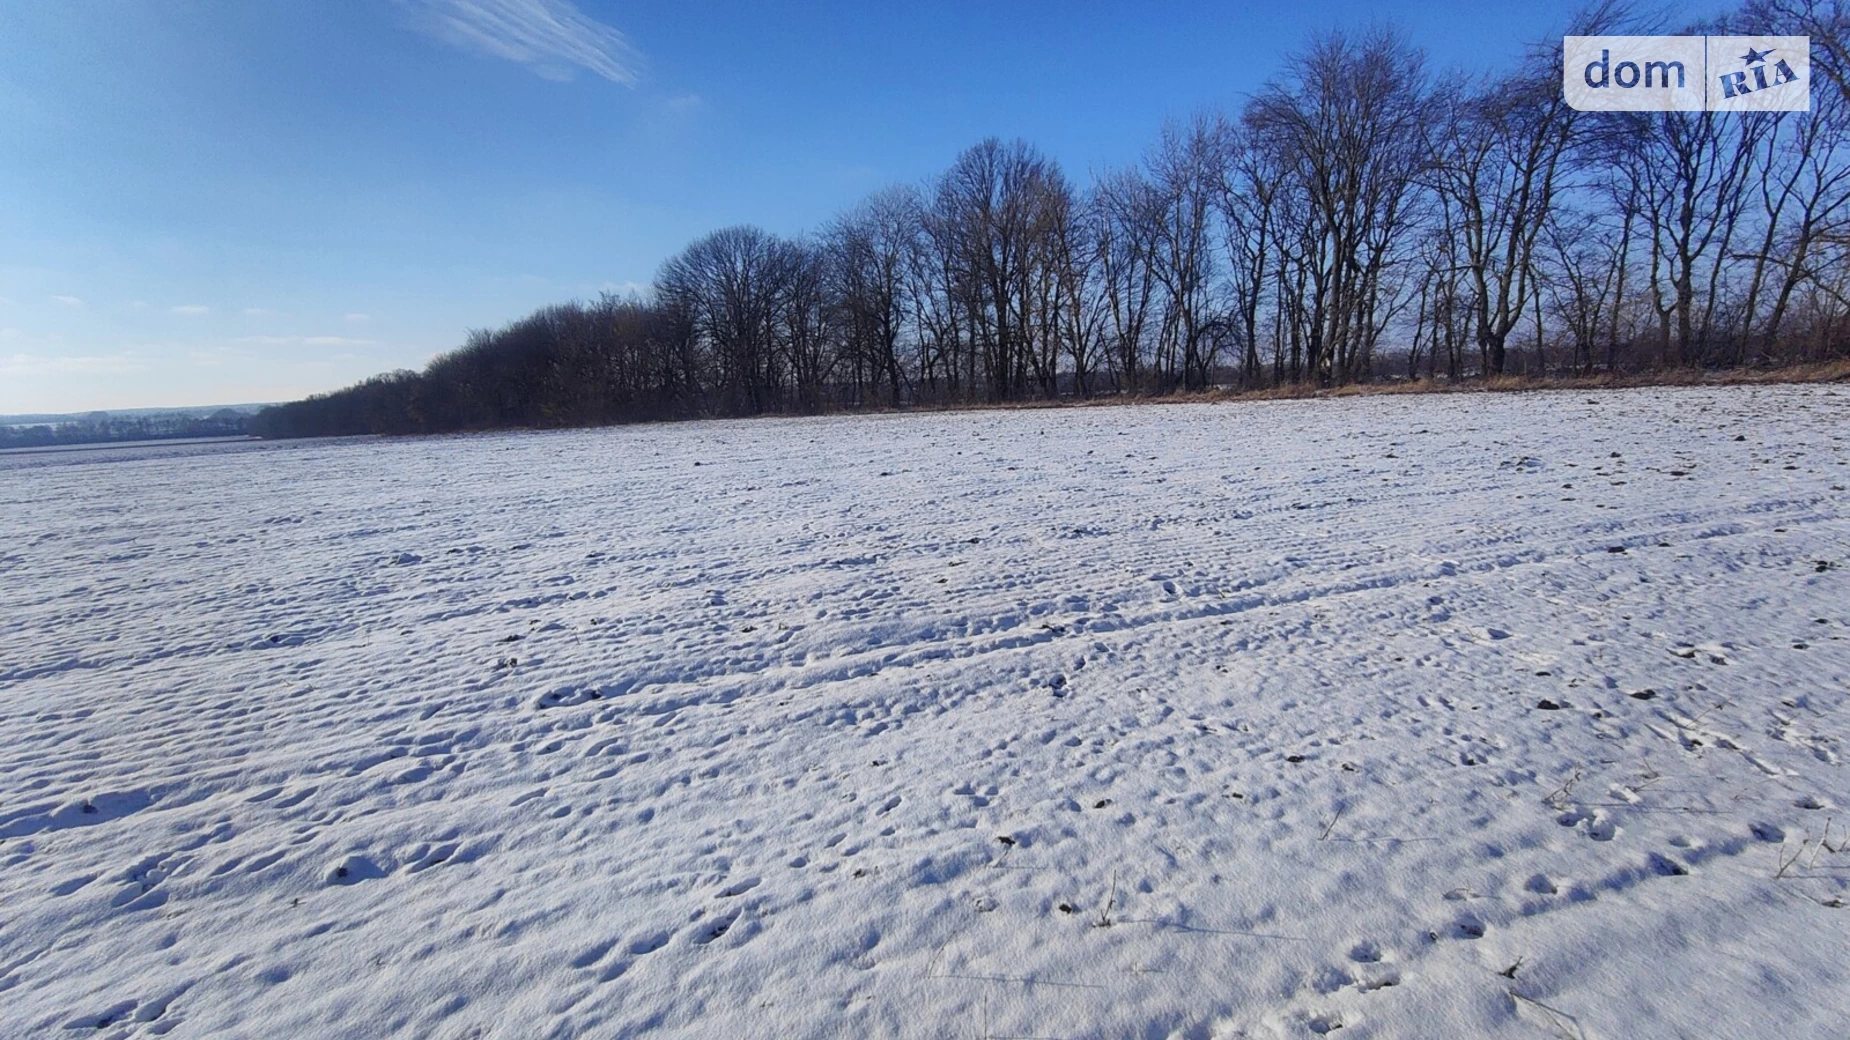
[305, 341]
[191, 308]
[51, 365]
[259, 312]
[68, 301]
[552, 36]
[213, 358]
[357, 318]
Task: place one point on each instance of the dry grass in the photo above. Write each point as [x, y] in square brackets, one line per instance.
[1823, 372]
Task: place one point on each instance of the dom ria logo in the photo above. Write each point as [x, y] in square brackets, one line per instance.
[1687, 73]
[1734, 84]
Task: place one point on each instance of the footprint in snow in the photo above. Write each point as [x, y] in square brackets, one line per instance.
[650, 943]
[425, 858]
[352, 870]
[739, 888]
[1468, 926]
[1599, 826]
[592, 954]
[141, 885]
[566, 697]
[105, 1018]
[1323, 1025]
[66, 887]
[715, 928]
[1331, 979]
[1664, 866]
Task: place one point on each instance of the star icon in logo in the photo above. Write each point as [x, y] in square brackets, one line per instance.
[1754, 57]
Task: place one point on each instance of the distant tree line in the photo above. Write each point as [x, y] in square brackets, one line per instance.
[105, 428]
[1360, 218]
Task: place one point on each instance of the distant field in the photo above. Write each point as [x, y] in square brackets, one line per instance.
[1405, 715]
[120, 445]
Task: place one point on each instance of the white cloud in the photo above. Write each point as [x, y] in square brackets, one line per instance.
[54, 365]
[191, 308]
[305, 341]
[7, 301]
[552, 36]
[209, 358]
[356, 317]
[68, 301]
[259, 312]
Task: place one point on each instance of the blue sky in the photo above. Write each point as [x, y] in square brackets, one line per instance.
[220, 201]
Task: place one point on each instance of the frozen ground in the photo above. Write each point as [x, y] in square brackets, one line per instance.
[1484, 715]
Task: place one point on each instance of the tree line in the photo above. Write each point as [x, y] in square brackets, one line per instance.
[105, 428]
[1361, 217]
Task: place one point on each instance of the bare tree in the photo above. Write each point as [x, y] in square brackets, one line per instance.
[995, 211]
[1346, 128]
[1186, 173]
[1804, 208]
[872, 249]
[1498, 158]
[1124, 230]
[732, 284]
[1250, 216]
[1827, 22]
[1351, 214]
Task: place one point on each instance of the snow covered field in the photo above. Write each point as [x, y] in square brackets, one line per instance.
[1465, 715]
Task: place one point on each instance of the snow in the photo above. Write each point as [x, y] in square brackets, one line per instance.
[1455, 715]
